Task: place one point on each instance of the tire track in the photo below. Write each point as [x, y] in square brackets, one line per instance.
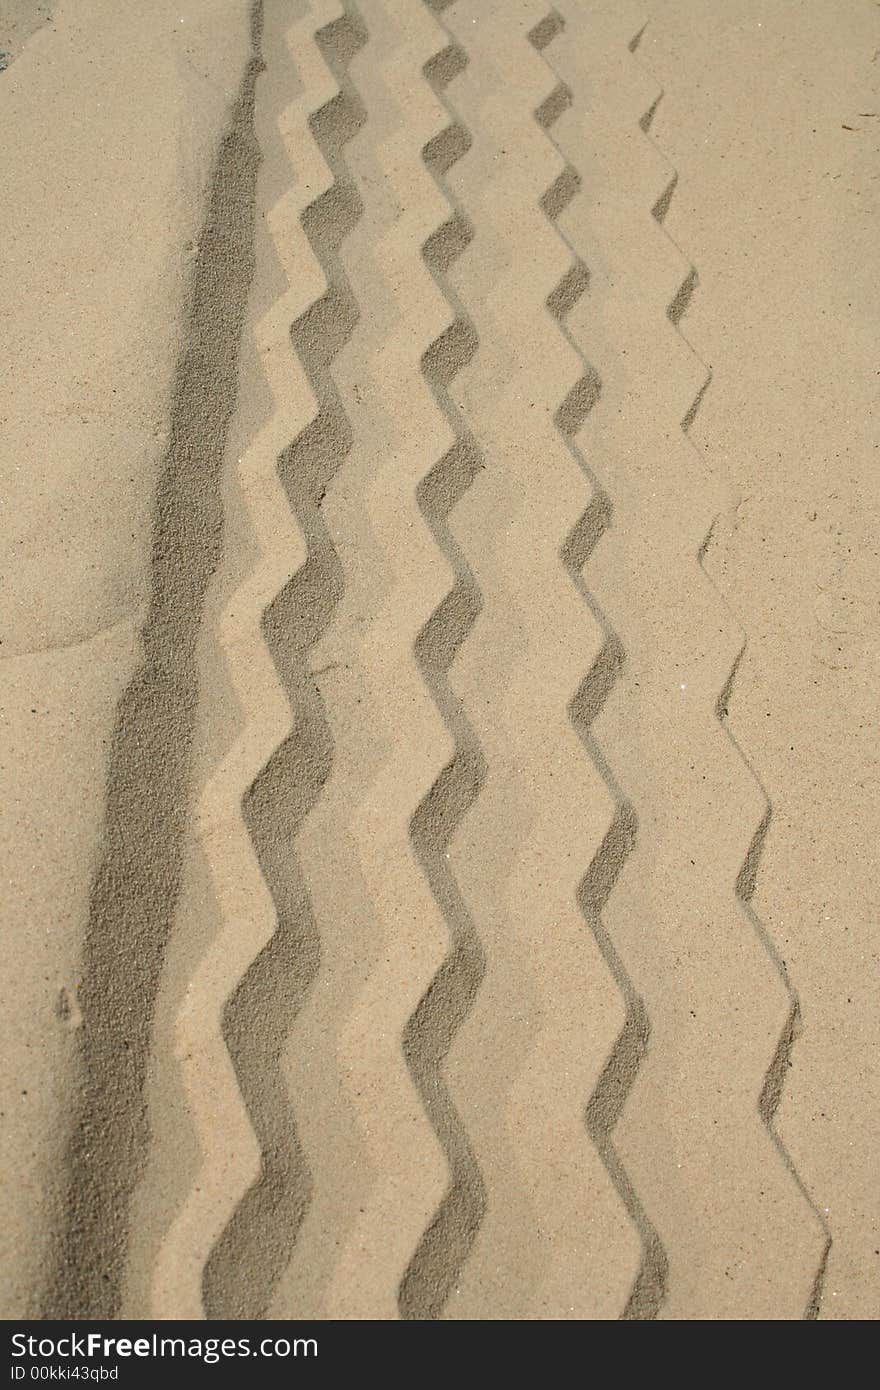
[573, 1251]
[486, 658]
[771, 1091]
[135, 890]
[347, 1067]
[713, 1007]
[610, 1095]
[251, 1254]
[429, 1034]
[230, 1156]
[409, 1164]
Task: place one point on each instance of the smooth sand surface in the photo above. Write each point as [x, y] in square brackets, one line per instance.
[18, 21]
[439, 659]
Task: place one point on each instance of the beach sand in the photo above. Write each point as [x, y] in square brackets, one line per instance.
[439, 659]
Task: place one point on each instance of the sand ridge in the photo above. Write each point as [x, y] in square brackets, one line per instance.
[94, 320]
[426, 946]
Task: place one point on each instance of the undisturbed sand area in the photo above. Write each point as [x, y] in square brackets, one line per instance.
[440, 632]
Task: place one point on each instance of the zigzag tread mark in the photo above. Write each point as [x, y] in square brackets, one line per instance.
[744, 887]
[445, 1244]
[609, 1095]
[250, 1255]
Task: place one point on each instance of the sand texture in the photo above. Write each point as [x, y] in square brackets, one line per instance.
[440, 651]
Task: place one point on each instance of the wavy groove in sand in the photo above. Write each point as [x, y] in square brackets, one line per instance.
[610, 1094]
[771, 1090]
[409, 929]
[430, 1031]
[379, 1170]
[247, 1262]
[243, 1215]
[550, 1011]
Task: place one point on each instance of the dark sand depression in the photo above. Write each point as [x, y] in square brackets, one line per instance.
[439, 659]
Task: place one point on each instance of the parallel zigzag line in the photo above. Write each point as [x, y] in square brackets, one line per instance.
[429, 1034]
[250, 1256]
[610, 1094]
[245, 905]
[380, 1172]
[771, 1092]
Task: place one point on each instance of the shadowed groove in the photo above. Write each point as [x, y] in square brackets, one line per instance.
[814, 1302]
[455, 347]
[636, 39]
[135, 890]
[678, 307]
[691, 414]
[545, 31]
[574, 283]
[552, 107]
[244, 1267]
[646, 121]
[446, 244]
[609, 1095]
[446, 148]
[428, 1036]
[771, 1094]
[445, 65]
[560, 193]
[746, 879]
[661, 207]
[576, 406]
[607, 1101]
[587, 532]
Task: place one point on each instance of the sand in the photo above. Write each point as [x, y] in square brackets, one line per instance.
[439, 645]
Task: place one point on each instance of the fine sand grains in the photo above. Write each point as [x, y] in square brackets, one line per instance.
[442, 645]
[108, 159]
